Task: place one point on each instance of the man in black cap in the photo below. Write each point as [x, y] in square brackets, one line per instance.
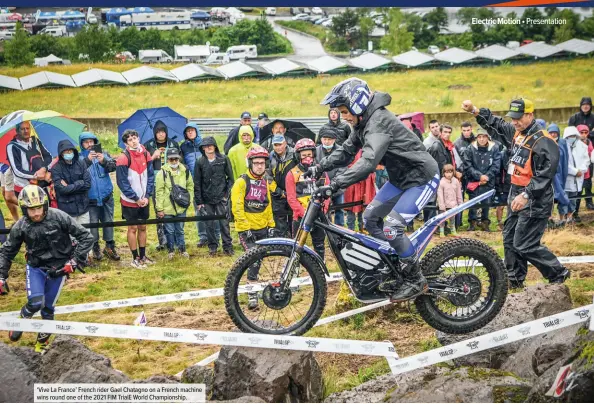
[262, 121]
[584, 117]
[534, 157]
[233, 138]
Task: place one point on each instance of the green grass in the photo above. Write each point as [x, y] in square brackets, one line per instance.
[418, 90]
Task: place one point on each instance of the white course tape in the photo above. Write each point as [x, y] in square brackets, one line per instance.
[172, 297]
[204, 337]
[201, 294]
[493, 339]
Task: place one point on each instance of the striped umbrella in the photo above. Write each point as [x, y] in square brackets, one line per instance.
[49, 126]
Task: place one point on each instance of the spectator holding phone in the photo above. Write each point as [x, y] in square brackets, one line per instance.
[101, 205]
[157, 148]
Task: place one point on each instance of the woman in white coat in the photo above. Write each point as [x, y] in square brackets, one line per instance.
[578, 162]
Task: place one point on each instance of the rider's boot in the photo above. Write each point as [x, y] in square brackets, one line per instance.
[42, 343]
[414, 284]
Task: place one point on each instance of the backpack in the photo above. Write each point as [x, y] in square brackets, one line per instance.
[179, 195]
[127, 153]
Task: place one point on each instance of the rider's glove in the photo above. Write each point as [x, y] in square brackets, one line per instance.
[327, 191]
[314, 171]
[271, 232]
[4, 287]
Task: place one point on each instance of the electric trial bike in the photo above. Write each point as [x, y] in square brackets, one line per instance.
[467, 279]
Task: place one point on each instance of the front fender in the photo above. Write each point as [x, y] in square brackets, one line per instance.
[291, 242]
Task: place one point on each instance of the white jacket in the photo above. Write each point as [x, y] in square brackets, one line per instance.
[578, 159]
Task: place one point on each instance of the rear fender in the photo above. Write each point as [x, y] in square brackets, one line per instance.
[290, 242]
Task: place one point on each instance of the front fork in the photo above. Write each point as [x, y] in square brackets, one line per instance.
[292, 265]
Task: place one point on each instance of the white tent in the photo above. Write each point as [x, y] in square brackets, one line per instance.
[146, 74]
[98, 77]
[46, 79]
[48, 60]
[193, 71]
[9, 83]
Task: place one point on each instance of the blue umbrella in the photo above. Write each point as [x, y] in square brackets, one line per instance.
[143, 121]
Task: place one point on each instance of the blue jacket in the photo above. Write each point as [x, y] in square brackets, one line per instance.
[73, 197]
[561, 174]
[101, 186]
[190, 149]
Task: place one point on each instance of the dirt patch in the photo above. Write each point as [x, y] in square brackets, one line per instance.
[459, 87]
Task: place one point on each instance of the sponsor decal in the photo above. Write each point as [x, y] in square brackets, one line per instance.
[201, 336]
[92, 329]
[255, 340]
[390, 233]
[583, 313]
[312, 344]
[473, 345]
[37, 326]
[170, 334]
[229, 339]
[499, 338]
[552, 323]
[63, 327]
[524, 330]
[284, 342]
[447, 352]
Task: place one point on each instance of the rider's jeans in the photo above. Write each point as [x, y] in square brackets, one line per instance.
[398, 207]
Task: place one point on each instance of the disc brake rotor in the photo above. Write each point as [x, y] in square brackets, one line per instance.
[274, 298]
[470, 288]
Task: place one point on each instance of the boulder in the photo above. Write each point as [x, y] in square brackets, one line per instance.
[439, 384]
[533, 303]
[535, 355]
[581, 378]
[199, 374]
[16, 379]
[273, 375]
[70, 361]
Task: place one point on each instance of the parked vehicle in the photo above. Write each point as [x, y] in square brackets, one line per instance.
[432, 49]
[242, 52]
[217, 58]
[328, 23]
[124, 57]
[306, 10]
[6, 35]
[270, 11]
[154, 56]
[467, 279]
[513, 44]
[295, 10]
[160, 21]
[317, 10]
[57, 31]
[301, 17]
[322, 20]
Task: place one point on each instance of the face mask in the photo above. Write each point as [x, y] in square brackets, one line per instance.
[68, 156]
[174, 166]
[571, 140]
[328, 147]
[307, 161]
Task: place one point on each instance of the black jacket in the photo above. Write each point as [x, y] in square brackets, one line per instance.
[47, 243]
[233, 138]
[442, 156]
[343, 129]
[384, 140]
[151, 146]
[584, 119]
[461, 145]
[545, 159]
[72, 198]
[212, 181]
[482, 160]
[279, 168]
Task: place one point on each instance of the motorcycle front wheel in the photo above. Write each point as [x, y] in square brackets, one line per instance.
[259, 306]
[476, 282]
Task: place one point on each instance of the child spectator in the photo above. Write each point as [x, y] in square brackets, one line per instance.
[449, 196]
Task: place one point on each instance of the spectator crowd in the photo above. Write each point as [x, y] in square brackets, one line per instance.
[264, 190]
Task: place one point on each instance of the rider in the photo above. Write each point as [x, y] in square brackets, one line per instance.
[299, 190]
[252, 208]
[47, 234]
[413, 174]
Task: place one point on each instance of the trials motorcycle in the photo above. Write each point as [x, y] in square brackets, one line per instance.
[467, 279]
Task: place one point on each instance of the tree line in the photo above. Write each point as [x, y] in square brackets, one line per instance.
[100, 45]
[352, 28]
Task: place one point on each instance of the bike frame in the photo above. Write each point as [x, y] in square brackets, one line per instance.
[420, 238]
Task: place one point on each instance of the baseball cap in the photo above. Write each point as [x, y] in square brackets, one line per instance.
[519, 107]
[262, 116]
[172, 153]
[277, 139]
[246, 115]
